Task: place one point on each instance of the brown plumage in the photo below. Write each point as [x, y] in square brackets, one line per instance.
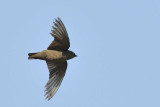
[56, 57]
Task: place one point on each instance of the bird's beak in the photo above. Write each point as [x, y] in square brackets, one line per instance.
[76, 56]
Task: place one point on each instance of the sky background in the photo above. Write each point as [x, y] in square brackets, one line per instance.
[117, 43]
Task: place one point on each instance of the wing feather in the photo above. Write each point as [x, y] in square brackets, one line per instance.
[61, 39]
[57, 72]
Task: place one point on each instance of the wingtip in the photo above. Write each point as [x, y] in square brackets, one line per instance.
[47, 97]
[58, 18]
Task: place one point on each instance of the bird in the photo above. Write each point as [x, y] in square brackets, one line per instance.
[56, 57]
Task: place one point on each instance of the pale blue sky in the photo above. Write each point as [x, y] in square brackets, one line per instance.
[117, 43]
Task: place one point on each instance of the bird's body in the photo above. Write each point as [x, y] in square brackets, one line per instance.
[52, 55]
[56, 57]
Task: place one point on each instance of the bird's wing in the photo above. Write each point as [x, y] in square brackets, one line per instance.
[61, 39]
[57, 72]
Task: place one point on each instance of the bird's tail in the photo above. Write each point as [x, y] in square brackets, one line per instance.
[32, 55]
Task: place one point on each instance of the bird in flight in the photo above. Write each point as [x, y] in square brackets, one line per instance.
[56, 57]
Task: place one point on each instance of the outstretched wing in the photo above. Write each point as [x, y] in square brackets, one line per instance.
[61, 39]
[57, 72]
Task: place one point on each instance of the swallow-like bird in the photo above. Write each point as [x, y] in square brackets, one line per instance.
[56, 57]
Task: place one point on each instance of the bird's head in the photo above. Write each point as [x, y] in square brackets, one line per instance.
[70, 55]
